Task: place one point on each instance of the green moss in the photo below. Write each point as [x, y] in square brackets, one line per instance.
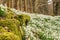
[2, 29]
[8, 36]
[8, 22]
[9, 14]
[23, 18]
[12, 25]
[21, 30]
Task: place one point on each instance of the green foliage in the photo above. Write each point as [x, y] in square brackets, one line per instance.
[2, 13]
[23, 18]
[8, 36]
[43, 37]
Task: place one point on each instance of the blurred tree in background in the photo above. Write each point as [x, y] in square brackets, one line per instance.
[50, 7]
